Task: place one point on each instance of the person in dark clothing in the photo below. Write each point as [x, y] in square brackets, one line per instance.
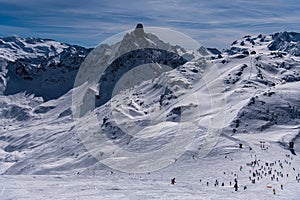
[173, 181]
[236, 185]
[216, 183]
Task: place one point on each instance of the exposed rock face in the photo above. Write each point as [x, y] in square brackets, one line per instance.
[41, 67]
[286, 41]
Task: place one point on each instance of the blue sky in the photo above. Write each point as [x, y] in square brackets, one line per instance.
[213, 23]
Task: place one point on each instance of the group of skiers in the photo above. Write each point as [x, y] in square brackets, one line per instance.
[173, 181]
[258, 171]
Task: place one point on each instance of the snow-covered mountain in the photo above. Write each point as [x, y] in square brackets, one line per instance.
[273, 74]
[254, 95]
[41, 67]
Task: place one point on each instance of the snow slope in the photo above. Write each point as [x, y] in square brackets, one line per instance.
[252, 99]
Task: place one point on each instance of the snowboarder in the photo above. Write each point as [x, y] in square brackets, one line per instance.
[274, 191]
[173, 181]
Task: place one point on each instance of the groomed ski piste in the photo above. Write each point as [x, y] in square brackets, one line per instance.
[191, 180]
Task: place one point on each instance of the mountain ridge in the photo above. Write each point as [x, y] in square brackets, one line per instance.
[260, 86]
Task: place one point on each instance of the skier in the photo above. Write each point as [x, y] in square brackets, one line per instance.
[216, 183]
[236, 185]
[173, 181]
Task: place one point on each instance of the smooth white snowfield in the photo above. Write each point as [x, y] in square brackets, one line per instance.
[43, 157]
[156, 185]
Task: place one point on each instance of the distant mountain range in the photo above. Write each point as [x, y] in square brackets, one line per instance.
[39, 66]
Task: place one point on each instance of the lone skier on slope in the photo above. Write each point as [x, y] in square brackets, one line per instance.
[173, 181]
